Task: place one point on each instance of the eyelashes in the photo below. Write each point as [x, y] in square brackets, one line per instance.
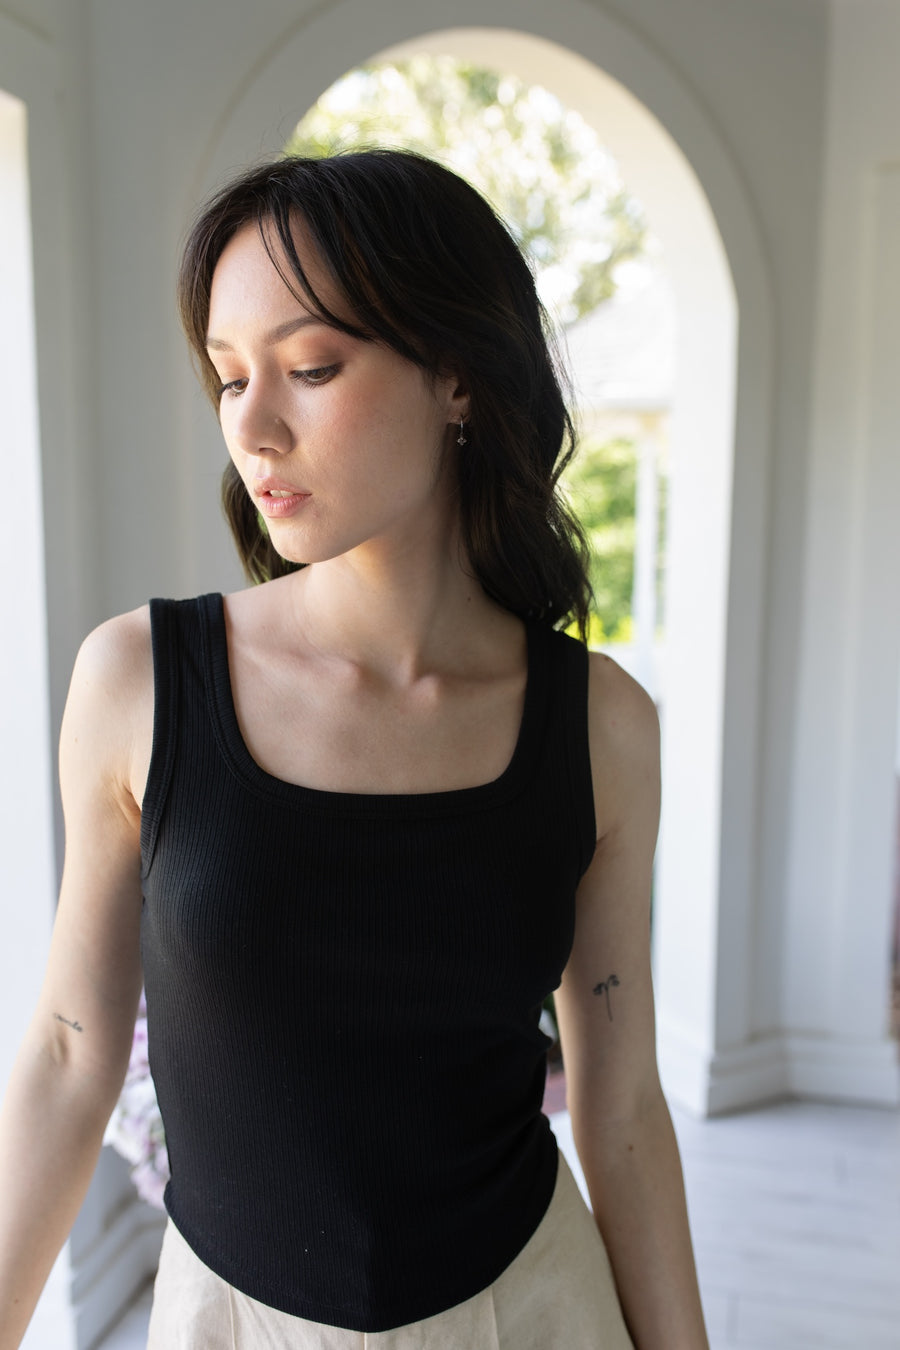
[318, 374]
[313, 377]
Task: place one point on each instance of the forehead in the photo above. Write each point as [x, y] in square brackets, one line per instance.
[254, 275]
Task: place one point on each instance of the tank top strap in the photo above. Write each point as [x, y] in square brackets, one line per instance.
[177, 642]
[213, 643]
[568, 732]
[165, 725]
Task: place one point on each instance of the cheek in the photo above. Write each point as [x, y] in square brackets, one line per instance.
[226, 419]
[408, 422]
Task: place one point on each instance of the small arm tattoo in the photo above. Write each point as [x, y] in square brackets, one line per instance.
[611, 982]
[76, 1026]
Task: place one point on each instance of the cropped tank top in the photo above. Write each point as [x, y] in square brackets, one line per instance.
[343, 995]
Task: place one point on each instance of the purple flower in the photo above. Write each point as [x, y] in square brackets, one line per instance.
[135, 1128]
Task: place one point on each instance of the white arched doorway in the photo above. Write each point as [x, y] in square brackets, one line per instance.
[707, 967]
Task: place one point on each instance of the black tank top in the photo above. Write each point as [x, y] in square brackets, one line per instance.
[343, 996]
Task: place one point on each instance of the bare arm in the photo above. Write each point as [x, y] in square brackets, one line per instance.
[620, 1120]
[72, 1061]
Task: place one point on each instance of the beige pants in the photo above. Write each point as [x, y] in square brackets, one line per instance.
[558, 1294]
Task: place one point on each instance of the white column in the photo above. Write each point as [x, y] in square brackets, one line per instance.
[688, 927]
[27, 873]
[646, 527]
[861, 923]
[835, 958]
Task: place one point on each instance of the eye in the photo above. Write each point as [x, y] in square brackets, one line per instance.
[317, 375]
[233, 387]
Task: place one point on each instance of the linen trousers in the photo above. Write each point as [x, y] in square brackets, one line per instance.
[558, 1294]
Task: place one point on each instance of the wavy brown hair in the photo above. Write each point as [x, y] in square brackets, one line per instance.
[428, 269]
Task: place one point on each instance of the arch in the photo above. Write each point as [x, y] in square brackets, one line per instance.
[675, 162]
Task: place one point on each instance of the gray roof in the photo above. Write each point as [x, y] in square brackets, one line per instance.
[622, 355]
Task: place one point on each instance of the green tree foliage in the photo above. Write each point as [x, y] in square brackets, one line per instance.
[601, 483]
[538, 162]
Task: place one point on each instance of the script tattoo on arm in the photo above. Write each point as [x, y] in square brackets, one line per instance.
[76, 1026]
[611, 982]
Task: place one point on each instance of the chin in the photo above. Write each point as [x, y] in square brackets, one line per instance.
[307, 556]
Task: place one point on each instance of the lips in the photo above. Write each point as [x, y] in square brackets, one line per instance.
[263, 487]
[277, 499]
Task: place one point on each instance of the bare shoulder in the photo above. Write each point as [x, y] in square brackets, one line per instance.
[119, 648]
[621, 710]
[624, 741]
[108, 722]
[113, 671]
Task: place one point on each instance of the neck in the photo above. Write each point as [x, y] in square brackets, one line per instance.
[402, 610]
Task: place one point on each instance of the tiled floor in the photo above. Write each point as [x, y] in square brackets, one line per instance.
[796, 1217]
[131, 1332]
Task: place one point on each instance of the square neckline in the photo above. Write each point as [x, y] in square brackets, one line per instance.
[440, 801]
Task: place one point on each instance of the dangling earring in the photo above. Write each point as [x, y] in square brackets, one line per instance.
[461, 438]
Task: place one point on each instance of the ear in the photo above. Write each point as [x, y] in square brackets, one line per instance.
[458, 401]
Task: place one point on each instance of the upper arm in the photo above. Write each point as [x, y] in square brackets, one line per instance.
[605, 1002]
[87, 1004]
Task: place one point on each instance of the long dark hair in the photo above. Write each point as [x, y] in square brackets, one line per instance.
[428, 269]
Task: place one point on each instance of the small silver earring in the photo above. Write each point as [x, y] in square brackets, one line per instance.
[461, 438]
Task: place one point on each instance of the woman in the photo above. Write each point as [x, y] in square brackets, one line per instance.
[377, 808]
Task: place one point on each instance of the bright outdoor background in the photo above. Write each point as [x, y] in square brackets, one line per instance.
[599, 273]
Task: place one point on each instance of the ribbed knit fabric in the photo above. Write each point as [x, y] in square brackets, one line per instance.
[343, 996]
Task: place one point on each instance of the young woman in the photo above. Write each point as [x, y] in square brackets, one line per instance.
[351, 826]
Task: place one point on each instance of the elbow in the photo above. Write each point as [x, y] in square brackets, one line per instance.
[87, 1075]
[600, 1109]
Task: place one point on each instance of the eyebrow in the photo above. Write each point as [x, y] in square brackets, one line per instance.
[275, 335]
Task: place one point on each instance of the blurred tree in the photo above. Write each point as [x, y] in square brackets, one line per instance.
[539, 163]
[601, 482]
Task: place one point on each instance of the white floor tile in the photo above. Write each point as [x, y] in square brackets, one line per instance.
[806, 1326]
[792, 1205]
[130, 1333]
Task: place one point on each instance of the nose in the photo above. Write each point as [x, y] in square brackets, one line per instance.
[255, 424]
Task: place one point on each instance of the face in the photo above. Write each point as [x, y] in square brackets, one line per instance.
[342, 443]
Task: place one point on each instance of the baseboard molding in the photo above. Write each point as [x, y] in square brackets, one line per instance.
[114, 1270]
[790, 1064]
[844, 1070]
